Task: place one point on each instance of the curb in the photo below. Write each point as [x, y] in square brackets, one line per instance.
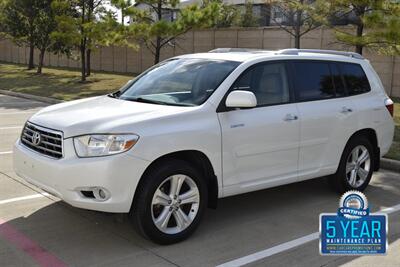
[32, 97]
[390, 164]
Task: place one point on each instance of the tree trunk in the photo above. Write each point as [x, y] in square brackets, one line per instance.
[360, 30]
[88, 41]
[88, 67]
[157, 50]
[31, 54]
[83, 61]
[158, 40]
[297, 41]
[297, 29]
[41, 59]
[83, 43]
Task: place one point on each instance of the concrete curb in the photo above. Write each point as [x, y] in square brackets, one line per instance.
[390, 164]
[32, 97]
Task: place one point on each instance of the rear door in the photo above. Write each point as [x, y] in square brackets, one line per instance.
[327, 116]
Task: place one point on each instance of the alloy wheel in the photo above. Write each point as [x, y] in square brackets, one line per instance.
[358, 166]
[175, 204]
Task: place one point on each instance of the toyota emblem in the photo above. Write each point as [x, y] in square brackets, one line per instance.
[36, 138]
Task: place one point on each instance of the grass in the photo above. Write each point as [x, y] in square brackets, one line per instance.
[394, 152]
[65, 85]
[58, 83]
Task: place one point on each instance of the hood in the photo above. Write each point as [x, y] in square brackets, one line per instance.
[99, 115]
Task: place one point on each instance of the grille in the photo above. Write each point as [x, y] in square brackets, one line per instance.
[45, 141]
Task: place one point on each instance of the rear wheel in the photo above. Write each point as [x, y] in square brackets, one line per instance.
[356, 166]
[170, 203]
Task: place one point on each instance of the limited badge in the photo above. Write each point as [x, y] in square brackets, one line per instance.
[353, 230]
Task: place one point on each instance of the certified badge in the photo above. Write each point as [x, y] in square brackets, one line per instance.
[353, 230]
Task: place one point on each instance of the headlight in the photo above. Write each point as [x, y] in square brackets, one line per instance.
[97, 145]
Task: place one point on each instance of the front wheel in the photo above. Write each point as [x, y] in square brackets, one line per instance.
[356, 166]
[170, 203]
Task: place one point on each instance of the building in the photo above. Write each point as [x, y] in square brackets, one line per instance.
[267, 14]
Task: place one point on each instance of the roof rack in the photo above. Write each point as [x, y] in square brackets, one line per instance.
[227, 50]
[295, 51]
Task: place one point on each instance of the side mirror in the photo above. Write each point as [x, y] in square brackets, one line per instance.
[241, 99]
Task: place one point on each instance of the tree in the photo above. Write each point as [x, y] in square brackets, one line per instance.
[18, 22]
[124, 6]
[298, 17]
[45, 24]
[150, 28]
[384, 34]
[248, 18]
[227, 15]
[80, 26]
[358, 12]
[2, 26]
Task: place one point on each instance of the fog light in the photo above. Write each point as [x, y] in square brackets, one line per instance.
[102, 194]
[95, 193]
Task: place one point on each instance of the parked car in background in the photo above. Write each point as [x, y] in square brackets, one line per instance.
[200, 127]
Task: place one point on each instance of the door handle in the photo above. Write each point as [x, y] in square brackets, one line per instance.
[290, 117]
[346, 110]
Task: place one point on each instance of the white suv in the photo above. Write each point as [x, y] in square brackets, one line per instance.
[200, 127]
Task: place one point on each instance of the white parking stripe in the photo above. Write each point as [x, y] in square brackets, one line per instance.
[286, 246]
[6, 152]
[10, 127]
[5, 201]
[20, 102]
[18, 112]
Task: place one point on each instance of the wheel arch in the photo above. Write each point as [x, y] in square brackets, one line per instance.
[372, 137]
[200, 161]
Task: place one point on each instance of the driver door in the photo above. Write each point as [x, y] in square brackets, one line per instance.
[261, 145]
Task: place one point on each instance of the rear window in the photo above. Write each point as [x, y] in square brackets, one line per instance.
[313, 81]
[355, 78]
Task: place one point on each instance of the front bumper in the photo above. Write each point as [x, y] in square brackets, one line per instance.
[65, 178]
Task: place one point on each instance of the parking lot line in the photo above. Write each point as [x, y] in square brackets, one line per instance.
[18, 112]
[287, 245]
[6, 152]
[10, 127]
[5, 201]
[40, 255]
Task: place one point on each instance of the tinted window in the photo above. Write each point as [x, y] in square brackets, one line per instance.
[268, 82]
[313, 81]
[355, 78]
[337, 80]
[185, 81]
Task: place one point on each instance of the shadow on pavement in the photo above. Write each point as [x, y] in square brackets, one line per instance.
[240, 226]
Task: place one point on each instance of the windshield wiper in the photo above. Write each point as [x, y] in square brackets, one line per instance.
[152, 101]
[146, 100]
[115, 94]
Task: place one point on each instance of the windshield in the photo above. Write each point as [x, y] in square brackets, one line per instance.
[180, 82]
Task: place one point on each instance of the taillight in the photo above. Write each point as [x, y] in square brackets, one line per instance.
[389, 105]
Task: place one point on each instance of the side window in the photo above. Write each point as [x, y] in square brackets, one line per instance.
[337, 80]
[268, 82]
[313, 80]
[355, 78]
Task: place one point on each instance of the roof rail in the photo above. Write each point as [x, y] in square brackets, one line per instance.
[227, 50]
[295, 51]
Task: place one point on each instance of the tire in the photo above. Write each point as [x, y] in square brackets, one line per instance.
[155, 202]
[354, 174]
